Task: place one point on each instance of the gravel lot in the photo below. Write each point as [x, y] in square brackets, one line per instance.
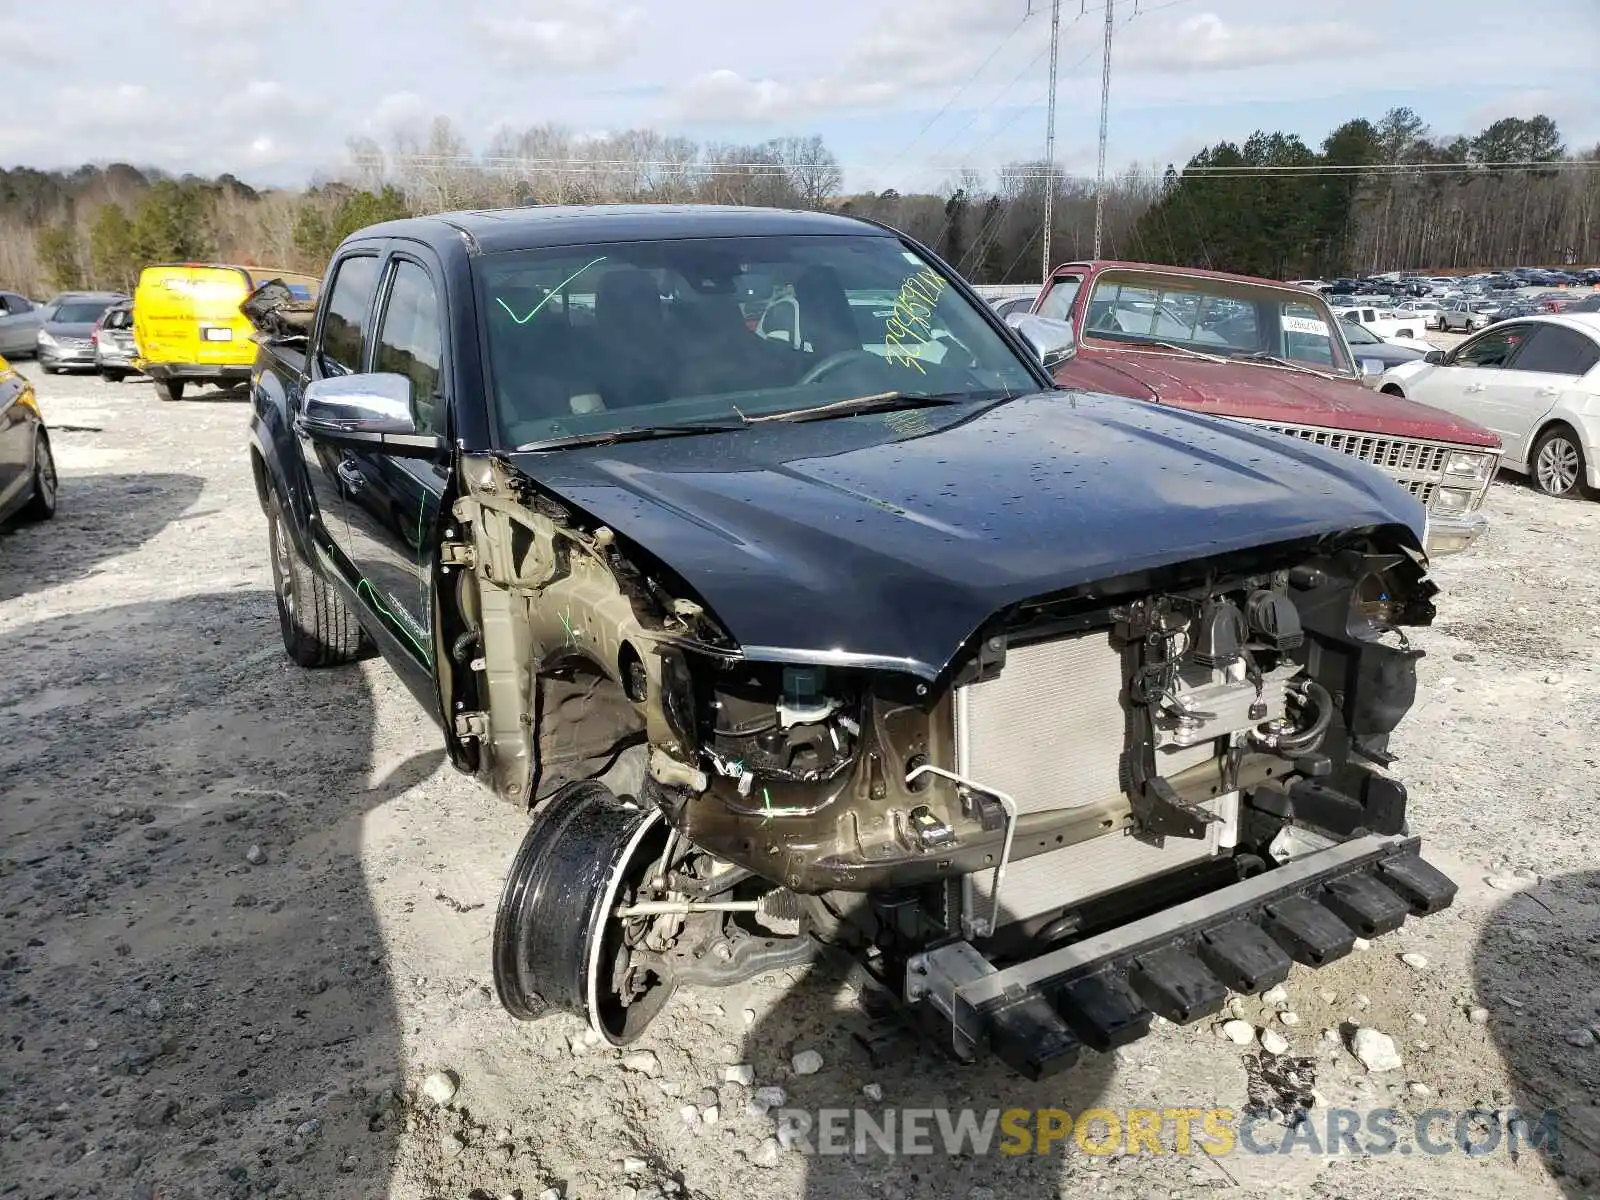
[247, 907]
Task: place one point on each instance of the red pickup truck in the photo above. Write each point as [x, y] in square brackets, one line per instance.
[1258, 351]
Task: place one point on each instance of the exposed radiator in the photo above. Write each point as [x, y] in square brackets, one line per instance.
[1048, 731]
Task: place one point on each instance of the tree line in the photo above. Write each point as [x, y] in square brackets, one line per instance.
[1376, 195]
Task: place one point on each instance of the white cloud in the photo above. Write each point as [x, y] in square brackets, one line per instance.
[396, 110]
[573, 35]
[228, 17]
[726, 95]
[28, 46]
[1208, 43]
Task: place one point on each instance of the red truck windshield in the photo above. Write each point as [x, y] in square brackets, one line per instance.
[1213, 316]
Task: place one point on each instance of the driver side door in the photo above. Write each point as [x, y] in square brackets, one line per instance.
[1461, 383]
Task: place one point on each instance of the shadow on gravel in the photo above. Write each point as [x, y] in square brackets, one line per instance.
[98, 517]
[919, 1076]
[1537, 970]
[195, 994]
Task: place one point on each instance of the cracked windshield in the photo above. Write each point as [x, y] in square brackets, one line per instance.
[1223, 321]
[588, 340]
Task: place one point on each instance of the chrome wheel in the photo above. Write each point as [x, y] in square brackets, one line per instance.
[283, 563]
[1557, 465]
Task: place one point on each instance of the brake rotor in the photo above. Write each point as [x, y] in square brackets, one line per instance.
[556, 945]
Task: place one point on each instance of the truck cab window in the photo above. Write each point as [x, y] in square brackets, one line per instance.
[344, 327]
[1057, 302]
[409, 343]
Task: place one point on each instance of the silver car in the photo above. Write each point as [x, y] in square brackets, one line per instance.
[114, 349]
[20, 319]
[66, 340]
[1467, 315]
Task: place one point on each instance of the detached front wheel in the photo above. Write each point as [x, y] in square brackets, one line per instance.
[318, 629]
[558, 944]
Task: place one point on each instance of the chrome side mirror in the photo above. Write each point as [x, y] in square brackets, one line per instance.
[1371, 368]
[1050, 338]
[1433, 356]
[364, 411]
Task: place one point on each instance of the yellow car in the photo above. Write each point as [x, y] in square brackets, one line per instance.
[187, 326]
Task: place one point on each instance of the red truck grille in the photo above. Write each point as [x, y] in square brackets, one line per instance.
[1417, 466]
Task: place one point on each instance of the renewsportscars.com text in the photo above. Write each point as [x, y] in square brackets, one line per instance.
[1214, 1131]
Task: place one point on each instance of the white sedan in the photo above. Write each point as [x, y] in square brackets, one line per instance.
[1535, 382]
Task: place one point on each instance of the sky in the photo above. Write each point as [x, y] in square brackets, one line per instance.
[905, 94]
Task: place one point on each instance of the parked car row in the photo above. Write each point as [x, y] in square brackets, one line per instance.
[182, 325]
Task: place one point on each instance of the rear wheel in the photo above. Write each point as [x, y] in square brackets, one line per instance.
[42, 506]
[318, 629]
[113, 376]
[1558, 466]
[170, 389]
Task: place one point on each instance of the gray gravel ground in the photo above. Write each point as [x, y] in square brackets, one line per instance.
[247, 907]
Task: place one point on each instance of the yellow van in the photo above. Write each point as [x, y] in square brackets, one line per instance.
[187, 325]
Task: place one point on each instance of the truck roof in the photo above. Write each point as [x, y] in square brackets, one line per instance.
[1111, 264]
[493, 230]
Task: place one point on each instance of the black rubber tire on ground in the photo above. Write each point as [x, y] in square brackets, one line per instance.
[318, 629]
[49, 370]
[113, 376]
[1556, 465]
[42, 505]
[170, 389]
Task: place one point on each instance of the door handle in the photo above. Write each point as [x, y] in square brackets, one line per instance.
[1471, 387]
[1548, 392]
[350, 475]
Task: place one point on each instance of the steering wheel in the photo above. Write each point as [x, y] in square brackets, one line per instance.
[833, 362]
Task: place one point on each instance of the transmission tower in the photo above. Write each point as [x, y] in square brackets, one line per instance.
[1050, 138]
[1105, 112]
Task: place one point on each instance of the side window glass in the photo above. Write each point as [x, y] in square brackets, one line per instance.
[409, 341]
[344, 327]
[1492, 350]
[1553, 350]
[1057, 302]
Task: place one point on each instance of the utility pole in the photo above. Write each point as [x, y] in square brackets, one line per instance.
[1105, 113]
[1050, 138]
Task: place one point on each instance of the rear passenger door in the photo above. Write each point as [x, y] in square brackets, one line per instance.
[393, 503]
[340, 347]
[1547, 366]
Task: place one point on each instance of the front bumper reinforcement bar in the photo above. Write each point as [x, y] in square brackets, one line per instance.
[1179, 963]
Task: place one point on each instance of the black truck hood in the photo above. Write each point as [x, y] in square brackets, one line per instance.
[887, 539]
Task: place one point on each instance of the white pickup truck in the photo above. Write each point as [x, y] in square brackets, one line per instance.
[1386, 323]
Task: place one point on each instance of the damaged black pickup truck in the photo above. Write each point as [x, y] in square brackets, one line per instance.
[769, 570]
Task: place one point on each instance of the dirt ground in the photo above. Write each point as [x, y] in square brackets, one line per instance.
[247, 907]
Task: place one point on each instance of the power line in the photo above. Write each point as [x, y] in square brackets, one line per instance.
[768, 168]
[956, 95]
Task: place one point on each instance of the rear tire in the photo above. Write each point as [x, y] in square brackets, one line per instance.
[170, 389]
[318, 629]
[1558, 468]
[113, 376]
[42, 505]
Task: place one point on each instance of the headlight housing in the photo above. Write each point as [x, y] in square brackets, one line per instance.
[1469, 465]
[1453, 500]
[45, 339]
